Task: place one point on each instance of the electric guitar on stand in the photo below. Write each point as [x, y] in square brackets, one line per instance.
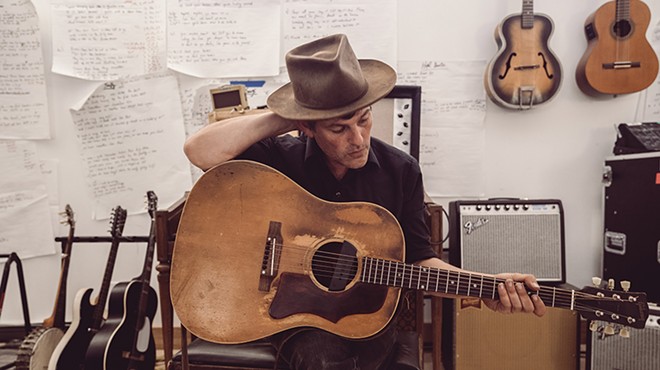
[125, 341]
[524, 72]
[37, 348]
[619, 58]
[87, 315]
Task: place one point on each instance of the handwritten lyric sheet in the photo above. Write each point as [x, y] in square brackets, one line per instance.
[223, 38]
[24, 202]
[369, 24]
[108, 40]
[131, 140]
[23, 102]
[452, 138]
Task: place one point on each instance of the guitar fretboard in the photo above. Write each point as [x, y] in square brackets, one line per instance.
[622, 10]
[460, 283]
[528, 14]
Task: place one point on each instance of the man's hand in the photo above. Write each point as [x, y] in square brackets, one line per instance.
[514, 297]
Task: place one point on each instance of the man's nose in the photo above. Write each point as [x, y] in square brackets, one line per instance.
[356, 137]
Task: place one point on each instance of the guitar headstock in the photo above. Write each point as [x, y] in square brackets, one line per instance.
[612, 306]
[68, 216]
[152, 203]
[118, 220]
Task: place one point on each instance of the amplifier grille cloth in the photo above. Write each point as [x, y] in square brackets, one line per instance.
[514, 243]
[639, 352]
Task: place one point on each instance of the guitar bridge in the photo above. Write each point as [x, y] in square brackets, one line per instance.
[272, 252]
[622, 65]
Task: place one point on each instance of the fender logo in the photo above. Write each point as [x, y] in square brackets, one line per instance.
[470, 226]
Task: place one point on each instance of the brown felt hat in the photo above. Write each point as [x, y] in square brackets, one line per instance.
[328, 81]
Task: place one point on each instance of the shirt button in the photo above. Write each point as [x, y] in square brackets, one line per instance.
[338, 194]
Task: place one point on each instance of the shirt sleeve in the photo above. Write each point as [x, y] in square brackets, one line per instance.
[413, 219]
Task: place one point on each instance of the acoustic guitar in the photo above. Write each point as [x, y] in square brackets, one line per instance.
[87, 315]
[256, 254]
[125, 340]
[619, 58]
[37, 348]
[524, 72]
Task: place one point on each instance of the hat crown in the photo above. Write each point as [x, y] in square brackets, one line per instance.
[325, 73]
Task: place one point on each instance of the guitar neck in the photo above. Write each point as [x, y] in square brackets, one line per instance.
[57, 319]
[99, 308]
[527, 14]
[622, 10]
[458, 283]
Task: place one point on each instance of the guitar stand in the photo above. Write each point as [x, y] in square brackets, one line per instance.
[13, 258]
[101, 239]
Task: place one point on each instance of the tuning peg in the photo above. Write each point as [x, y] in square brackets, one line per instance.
[624, 332]
[593, 326]
[609, 330]
[625, 285]
[596, 281]
[610, 284]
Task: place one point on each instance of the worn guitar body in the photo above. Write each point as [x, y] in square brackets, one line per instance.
[524, 72]
[70, 351]
[224, 288]
[111, 345]
[256, 254]
[618, 59]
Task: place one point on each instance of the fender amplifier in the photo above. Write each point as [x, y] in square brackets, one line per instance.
[638, 352]
[493, 236]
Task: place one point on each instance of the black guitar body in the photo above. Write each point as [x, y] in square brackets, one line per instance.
[70, 352]
[117, 345]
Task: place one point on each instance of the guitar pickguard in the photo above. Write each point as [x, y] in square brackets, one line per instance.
[297, 294]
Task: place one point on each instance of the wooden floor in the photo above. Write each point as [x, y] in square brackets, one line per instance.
[427, 361]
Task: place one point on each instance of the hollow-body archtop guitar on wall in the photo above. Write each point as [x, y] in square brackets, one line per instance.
[256, 254]
[524, 72]
[619, 58]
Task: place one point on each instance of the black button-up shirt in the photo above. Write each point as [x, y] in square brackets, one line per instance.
[391, 179]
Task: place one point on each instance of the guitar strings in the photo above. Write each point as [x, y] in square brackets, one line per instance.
[344, 267]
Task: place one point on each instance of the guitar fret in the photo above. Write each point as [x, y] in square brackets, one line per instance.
[389, 269]
[554, 292]
[428, 277]
[447, 283]
[494, 288]
[481, 286]
[458, 282]
[437, 280]
[419, 276]
[381, 272]
[411, 272]
[469, 284]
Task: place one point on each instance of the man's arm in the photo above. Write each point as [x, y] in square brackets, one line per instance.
[513, 295]
[224, 140]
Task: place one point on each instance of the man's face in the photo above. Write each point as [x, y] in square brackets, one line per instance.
[345, 141]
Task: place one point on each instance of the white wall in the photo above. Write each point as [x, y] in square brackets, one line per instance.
[553, 151]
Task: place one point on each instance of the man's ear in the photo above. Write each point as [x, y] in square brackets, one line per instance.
[306, 128]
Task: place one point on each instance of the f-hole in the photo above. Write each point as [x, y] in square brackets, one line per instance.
[335, 264]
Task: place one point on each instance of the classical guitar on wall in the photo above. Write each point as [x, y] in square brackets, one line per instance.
[125, 340]
[524, 72]
[619, 58]
[87, 315]
[37, 348]
[256, 254]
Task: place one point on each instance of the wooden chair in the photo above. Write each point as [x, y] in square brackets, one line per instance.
[202, 355]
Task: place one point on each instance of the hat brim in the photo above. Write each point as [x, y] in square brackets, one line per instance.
[380, 77]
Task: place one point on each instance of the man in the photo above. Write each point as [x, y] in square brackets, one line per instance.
[329, 99]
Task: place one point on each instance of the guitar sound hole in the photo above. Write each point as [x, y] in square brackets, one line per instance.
[334, 265]
[622, 28]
